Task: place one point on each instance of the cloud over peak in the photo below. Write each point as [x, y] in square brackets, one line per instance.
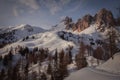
[31, 3]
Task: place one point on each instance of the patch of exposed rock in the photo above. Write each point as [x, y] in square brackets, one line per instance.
[104, 19]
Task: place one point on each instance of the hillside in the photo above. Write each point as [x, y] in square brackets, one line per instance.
[112, 65]
[13, 34]
[110, 70]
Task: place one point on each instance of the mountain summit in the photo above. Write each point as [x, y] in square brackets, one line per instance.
[104, 18]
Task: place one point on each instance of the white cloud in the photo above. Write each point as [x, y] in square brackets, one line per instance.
[64, 2]
[52, 5]
[76, 7]
[15, 12]
[62, 17]
[25, 7]
[31, 3]
[55, 9]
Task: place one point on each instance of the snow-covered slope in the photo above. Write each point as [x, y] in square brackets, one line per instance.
[59, 27]
[92, 74]
[91, 34]
[109, 70]
[112, 65]
[26, 30]
[51, 39]
[12, 34]
[48, 40]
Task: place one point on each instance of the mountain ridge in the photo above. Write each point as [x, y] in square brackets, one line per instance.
[29, 43]
[103, 18]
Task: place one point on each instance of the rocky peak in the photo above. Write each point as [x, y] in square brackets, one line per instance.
[68, 22]
[84, 22]
[88, 18]
[104, 17]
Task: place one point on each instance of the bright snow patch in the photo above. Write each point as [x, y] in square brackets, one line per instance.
[109, 70]
[26, 30]
[92, 74]
[48, 40]
[112, 65]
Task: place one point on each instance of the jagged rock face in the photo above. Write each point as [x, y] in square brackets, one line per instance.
[104, 17]
[68, 22]
[80, 25]
[84, 22]
[74, 27]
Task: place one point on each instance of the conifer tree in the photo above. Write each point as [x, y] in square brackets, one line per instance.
[80, 58]
[10, 55]
[89, 50]
[5, 60]
[43, 76]
[112, 36]
[34, 76]
[63, 70]
[26, 71]
[0, 58]
[98, 54]
[2, 75]
[56, 57]
[68, 58]
[49, 69]
[9, 74]
[61, 56]
[15, 73]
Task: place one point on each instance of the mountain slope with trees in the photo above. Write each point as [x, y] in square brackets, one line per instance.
[34, 53]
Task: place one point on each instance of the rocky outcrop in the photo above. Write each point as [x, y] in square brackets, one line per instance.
[68, 22]
[80, 25]
[104, 17]
[84, 22]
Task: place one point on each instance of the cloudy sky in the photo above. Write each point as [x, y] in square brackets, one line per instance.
[46, 13]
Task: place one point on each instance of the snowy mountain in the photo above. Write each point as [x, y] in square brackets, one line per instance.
[32, 37]
[41, 49]
[13, 34]
[43, 40]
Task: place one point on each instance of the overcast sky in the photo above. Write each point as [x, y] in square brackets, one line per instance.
[46, 13]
